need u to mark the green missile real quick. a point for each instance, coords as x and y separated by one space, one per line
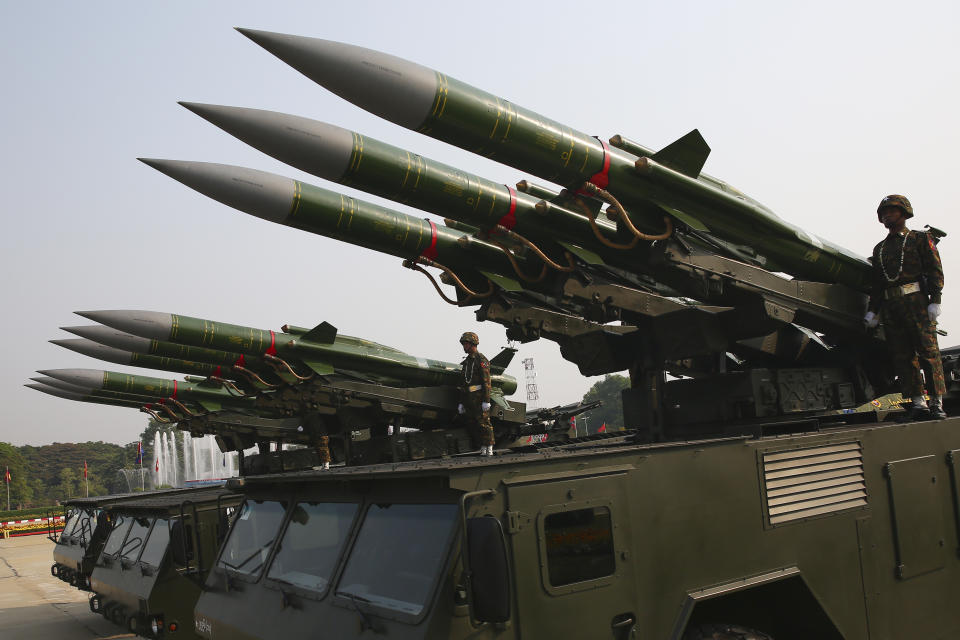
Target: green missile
226 364
348 158
424 100
309 208
321 349
211 399
154 404
82 397
118 356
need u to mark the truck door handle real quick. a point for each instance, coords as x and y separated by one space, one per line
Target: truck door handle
622 621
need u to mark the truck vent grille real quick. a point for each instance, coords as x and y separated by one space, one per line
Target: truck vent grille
811 482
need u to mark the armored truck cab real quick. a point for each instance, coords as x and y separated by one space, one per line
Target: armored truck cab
848 532
79 544
157 555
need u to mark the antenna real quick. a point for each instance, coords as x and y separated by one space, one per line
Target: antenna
533 396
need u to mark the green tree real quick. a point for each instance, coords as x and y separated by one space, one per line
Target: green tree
68 484
611 413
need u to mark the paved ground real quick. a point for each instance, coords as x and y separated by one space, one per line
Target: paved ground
36 606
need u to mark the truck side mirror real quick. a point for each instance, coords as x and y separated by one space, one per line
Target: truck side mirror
489 570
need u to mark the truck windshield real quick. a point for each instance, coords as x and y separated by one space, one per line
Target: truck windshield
312 543
139 527
252 535
69 525
157 543
120 527
398 554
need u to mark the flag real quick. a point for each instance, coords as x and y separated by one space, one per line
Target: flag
139 453
603 428
7 475
158 465
84 469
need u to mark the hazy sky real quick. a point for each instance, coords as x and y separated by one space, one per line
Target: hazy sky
817 109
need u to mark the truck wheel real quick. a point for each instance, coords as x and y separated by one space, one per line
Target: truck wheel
724 632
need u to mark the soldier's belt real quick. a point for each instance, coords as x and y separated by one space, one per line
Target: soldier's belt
902 290
475 387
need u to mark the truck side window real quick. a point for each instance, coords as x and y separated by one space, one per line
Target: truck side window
579 545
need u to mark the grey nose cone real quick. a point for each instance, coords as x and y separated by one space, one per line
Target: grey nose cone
60 393
261 194
154 325
63 386
95 350
84 378
312 146
111 337
390 87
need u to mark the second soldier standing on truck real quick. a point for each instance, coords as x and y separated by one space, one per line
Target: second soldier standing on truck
907 285
475 394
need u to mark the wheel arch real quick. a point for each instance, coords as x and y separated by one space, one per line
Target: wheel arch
779 603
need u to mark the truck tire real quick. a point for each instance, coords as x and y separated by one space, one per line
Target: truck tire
724 632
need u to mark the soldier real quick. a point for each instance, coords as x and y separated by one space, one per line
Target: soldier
475 394
907 285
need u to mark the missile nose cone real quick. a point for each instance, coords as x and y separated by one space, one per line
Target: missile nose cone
95 350
361 76
261 194
60 384
111 337
315 147
54 392
146 324
89 378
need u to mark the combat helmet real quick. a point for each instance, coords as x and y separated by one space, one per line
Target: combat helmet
895 200
471 337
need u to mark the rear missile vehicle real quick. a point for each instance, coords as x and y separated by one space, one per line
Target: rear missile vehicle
159 550
78 546
342 399
767 486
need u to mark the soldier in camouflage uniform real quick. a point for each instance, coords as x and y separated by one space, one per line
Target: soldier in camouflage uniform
475 394
907 286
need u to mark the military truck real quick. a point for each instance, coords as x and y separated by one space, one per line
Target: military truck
157 554
846 531
78 546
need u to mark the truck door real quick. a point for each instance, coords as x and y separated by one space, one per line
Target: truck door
570 540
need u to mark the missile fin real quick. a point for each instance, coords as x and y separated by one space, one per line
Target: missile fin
320 368
502 360
584 254
687 219
508 284
686 154
210 405
323 333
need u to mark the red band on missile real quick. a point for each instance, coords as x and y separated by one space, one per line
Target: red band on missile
430 252
240 362
510 220
272 351
174 396
217 373
602 179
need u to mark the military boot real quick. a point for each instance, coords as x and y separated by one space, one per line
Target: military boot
937 412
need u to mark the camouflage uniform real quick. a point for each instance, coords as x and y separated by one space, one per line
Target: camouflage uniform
474 392
911 335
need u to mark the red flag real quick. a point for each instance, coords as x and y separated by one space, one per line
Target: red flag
603 428
84 469
158 465
7 475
